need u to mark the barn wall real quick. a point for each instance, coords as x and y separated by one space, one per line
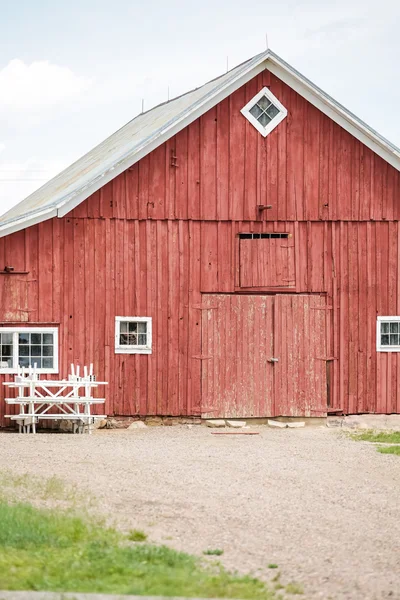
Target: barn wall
220 168
84 272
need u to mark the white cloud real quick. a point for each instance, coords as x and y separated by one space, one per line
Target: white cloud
38 86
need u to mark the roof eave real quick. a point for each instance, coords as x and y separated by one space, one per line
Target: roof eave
333 110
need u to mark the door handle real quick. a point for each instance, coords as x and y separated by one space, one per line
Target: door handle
273 360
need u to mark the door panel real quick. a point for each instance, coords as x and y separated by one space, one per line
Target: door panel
241 333
300 345
267 262
237 340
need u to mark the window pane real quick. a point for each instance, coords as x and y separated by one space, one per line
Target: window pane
264 119
255 111
132 339
5 363
47 350
36 338
48 338
23 361
384 327
385 340
36 361
264 102
36 350
123 327
142 327
6 350
133 327
24 350
394 339
123 339
24 338
272 111
142 339
6 338
394 328
47 363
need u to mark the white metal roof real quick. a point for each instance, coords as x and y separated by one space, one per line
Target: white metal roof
149 130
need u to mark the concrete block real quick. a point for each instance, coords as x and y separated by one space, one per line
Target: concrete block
279 424
236 424
215 423
296 424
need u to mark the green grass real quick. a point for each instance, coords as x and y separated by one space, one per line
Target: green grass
52 490
54 551
216 552
389 450
272 566
137 536
389 437
294 588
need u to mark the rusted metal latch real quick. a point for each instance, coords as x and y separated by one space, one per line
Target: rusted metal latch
273 360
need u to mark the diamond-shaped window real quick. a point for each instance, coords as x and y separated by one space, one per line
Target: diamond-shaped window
264 111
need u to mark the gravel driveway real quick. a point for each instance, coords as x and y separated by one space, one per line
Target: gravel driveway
324 508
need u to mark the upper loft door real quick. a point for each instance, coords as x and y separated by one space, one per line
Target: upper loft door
266 260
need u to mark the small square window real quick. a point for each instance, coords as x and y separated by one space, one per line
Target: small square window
388 334
27 347
133 335
264 111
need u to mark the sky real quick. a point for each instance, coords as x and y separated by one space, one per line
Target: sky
72 73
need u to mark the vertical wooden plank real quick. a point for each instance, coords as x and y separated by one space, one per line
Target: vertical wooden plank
222 159
132 191
236 155
251 136
45 273
194 170
311 162
181 174
208 172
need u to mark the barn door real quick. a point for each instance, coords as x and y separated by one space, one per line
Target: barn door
237 342
300 346
240 336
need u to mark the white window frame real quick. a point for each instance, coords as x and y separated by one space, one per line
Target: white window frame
379 347
275 121
15 331
119 349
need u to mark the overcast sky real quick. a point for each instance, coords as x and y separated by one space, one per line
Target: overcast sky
71 73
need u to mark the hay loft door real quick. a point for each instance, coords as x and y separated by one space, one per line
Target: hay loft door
263 356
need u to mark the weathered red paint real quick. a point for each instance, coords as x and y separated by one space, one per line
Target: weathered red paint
160 240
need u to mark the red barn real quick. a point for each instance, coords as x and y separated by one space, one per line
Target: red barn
233 252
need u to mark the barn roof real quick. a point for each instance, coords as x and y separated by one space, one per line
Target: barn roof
149 130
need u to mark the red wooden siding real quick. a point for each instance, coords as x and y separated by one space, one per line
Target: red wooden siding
164 234
98 269
308 168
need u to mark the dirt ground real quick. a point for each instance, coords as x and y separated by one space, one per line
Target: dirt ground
323 507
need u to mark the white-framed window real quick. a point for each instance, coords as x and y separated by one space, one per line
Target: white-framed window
388 334
264 111
133 335
27 346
